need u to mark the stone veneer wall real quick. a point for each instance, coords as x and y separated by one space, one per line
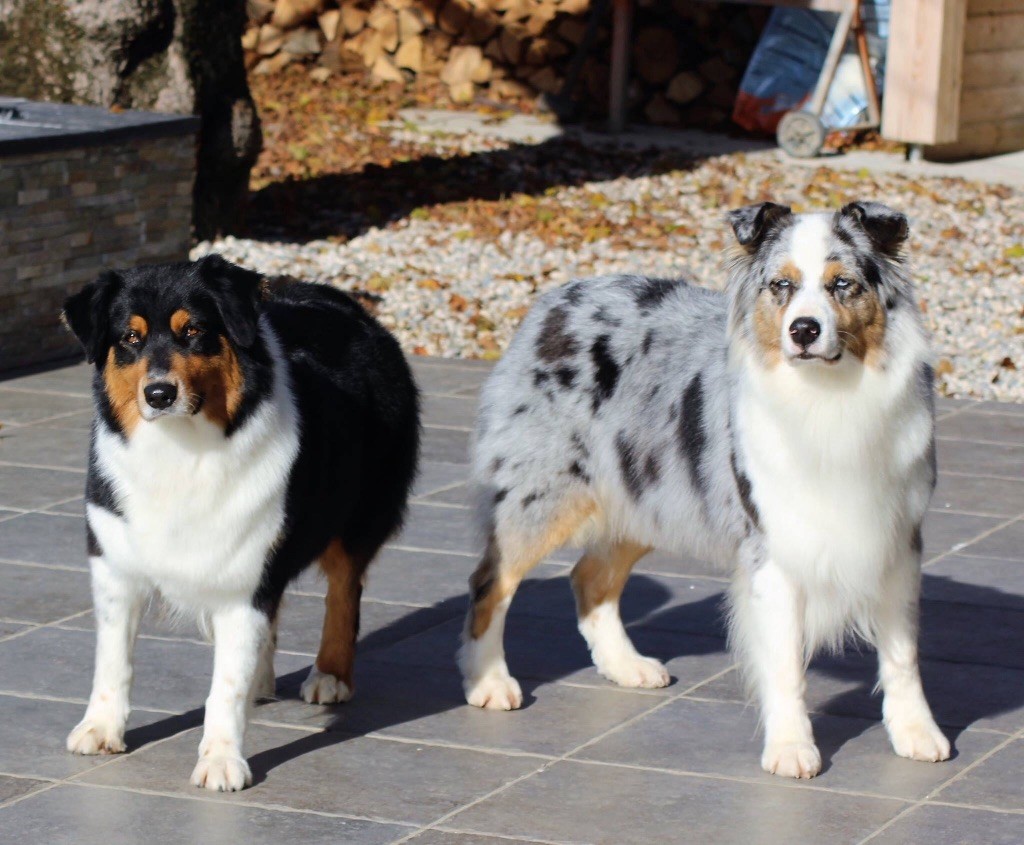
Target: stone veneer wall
68 214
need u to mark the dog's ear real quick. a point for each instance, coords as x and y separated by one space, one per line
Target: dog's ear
887 227
752 222
87 314
238 294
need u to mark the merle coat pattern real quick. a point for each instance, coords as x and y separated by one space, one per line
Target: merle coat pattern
783 429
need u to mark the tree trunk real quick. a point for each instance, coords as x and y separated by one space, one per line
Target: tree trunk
164 55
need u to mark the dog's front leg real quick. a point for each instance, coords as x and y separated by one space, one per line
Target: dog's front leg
117 606
768 632
239 633
905 711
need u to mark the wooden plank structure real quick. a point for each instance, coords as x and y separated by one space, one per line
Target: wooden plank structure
992 91
955 76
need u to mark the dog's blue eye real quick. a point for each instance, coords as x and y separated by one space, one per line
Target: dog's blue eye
781 284
842 284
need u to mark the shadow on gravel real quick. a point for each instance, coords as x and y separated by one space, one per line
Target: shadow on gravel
345 205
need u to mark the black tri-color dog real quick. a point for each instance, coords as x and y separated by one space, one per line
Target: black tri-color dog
240 435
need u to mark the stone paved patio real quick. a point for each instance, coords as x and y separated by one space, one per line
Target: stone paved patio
584 761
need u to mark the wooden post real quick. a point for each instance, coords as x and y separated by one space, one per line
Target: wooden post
619 81
923 71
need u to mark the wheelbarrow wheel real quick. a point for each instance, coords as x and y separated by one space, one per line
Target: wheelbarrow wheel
801 134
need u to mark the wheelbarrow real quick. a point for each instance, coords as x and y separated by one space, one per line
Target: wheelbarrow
801 133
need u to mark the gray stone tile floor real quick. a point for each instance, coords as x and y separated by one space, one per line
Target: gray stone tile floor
583 761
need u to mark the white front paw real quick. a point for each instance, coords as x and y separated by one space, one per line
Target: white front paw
321 688
96 736
634 670
222 773
919 740
794 759
497 690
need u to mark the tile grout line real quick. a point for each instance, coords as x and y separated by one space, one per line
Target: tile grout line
211 797
815 712
950 439
987 808
70 779
47 467
42 391
961 547
563 757
43 625
44 420
445 505
952 412
775 782
508 837
442 489
906 811
31 564
955 473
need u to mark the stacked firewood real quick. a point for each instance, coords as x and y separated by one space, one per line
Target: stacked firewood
687 57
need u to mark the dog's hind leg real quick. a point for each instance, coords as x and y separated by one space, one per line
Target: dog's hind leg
598 580
264 685
905 712
330 678
509 556
767 632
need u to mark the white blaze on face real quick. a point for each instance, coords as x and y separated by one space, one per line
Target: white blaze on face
808 252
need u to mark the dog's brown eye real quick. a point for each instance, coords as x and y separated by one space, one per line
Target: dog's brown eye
192 331
132 337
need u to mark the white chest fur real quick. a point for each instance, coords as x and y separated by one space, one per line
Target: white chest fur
838 470
200 511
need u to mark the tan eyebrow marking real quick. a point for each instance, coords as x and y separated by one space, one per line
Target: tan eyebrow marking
790 271
180 319
835 269
138 325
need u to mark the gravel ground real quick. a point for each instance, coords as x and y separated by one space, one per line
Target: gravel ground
455 278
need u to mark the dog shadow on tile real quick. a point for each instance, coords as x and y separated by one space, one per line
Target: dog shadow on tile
412 688
972 645
972 665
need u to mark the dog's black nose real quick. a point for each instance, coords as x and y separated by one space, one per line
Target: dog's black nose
160 394
804 331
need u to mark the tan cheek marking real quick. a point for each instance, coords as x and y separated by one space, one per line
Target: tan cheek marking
180 319
861 325
768 328
123 385
138 325
215 378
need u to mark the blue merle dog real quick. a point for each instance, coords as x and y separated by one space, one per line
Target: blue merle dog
783 428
